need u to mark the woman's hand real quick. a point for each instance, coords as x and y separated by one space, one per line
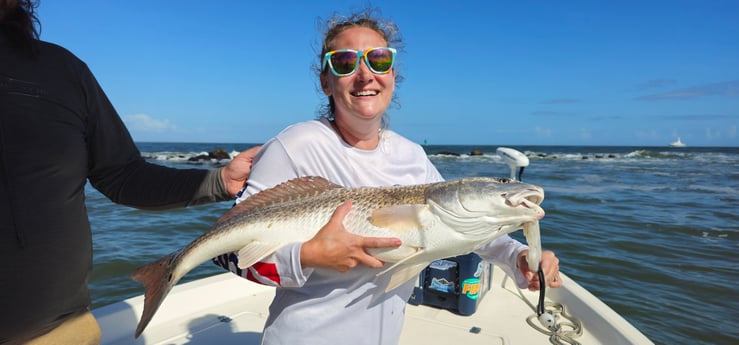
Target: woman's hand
550 265
335 247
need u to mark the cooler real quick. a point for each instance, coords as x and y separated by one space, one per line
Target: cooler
457 284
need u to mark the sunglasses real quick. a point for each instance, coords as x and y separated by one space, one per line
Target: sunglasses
345 62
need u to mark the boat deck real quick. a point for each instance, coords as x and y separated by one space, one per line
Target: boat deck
225 309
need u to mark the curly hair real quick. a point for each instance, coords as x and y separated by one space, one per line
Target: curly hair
18 22
368 18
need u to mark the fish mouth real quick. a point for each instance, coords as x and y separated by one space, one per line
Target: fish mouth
529 198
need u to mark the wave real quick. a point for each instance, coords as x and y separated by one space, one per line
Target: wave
214 157
617 154
658 154
185 153
535 155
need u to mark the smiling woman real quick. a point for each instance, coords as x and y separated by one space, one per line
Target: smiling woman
331 274
361 95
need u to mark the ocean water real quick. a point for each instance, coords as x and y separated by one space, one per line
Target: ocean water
651 231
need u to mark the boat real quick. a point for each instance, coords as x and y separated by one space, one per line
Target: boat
677 143
226 309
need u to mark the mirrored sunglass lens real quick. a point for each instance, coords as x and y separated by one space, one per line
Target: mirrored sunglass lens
381 60
344 62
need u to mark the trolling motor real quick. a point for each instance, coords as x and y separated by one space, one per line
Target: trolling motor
514 159
517 160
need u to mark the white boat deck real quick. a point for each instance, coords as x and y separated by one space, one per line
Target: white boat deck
225 309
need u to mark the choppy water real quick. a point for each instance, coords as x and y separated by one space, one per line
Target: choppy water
651 231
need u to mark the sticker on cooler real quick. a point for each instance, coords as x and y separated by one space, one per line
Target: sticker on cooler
442 285
471 288
444 281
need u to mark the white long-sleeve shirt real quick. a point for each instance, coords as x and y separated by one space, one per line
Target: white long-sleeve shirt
319 306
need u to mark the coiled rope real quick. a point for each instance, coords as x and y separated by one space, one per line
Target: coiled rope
566 328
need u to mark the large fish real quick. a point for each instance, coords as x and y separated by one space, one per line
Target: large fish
433 221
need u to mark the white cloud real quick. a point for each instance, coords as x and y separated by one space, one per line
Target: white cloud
146 123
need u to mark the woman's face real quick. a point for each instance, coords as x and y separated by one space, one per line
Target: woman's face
362 95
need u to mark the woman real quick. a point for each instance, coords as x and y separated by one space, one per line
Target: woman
350 146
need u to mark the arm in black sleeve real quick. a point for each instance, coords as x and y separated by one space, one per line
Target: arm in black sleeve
117 169
154 187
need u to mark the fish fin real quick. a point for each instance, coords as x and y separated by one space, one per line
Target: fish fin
405 274
399 218
255 251
157 279
406 261
392 254
292 189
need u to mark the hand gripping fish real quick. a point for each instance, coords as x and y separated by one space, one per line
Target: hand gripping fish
433 221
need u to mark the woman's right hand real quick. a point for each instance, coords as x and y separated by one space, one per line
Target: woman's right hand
335 247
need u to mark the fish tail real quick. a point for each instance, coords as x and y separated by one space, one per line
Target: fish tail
157 279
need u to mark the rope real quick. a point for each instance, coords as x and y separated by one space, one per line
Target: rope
567 328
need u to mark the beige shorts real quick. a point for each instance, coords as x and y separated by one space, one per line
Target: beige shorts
81 329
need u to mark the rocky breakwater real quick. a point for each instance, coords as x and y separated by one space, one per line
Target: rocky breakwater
218 156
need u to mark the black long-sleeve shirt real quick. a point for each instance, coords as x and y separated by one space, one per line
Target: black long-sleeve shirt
58 130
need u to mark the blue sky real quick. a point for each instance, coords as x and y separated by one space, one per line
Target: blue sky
475 72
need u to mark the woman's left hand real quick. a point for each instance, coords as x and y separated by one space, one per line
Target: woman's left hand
550 265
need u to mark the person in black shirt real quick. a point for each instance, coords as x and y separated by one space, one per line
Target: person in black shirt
58 130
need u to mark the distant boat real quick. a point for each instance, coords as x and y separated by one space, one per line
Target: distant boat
677 143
